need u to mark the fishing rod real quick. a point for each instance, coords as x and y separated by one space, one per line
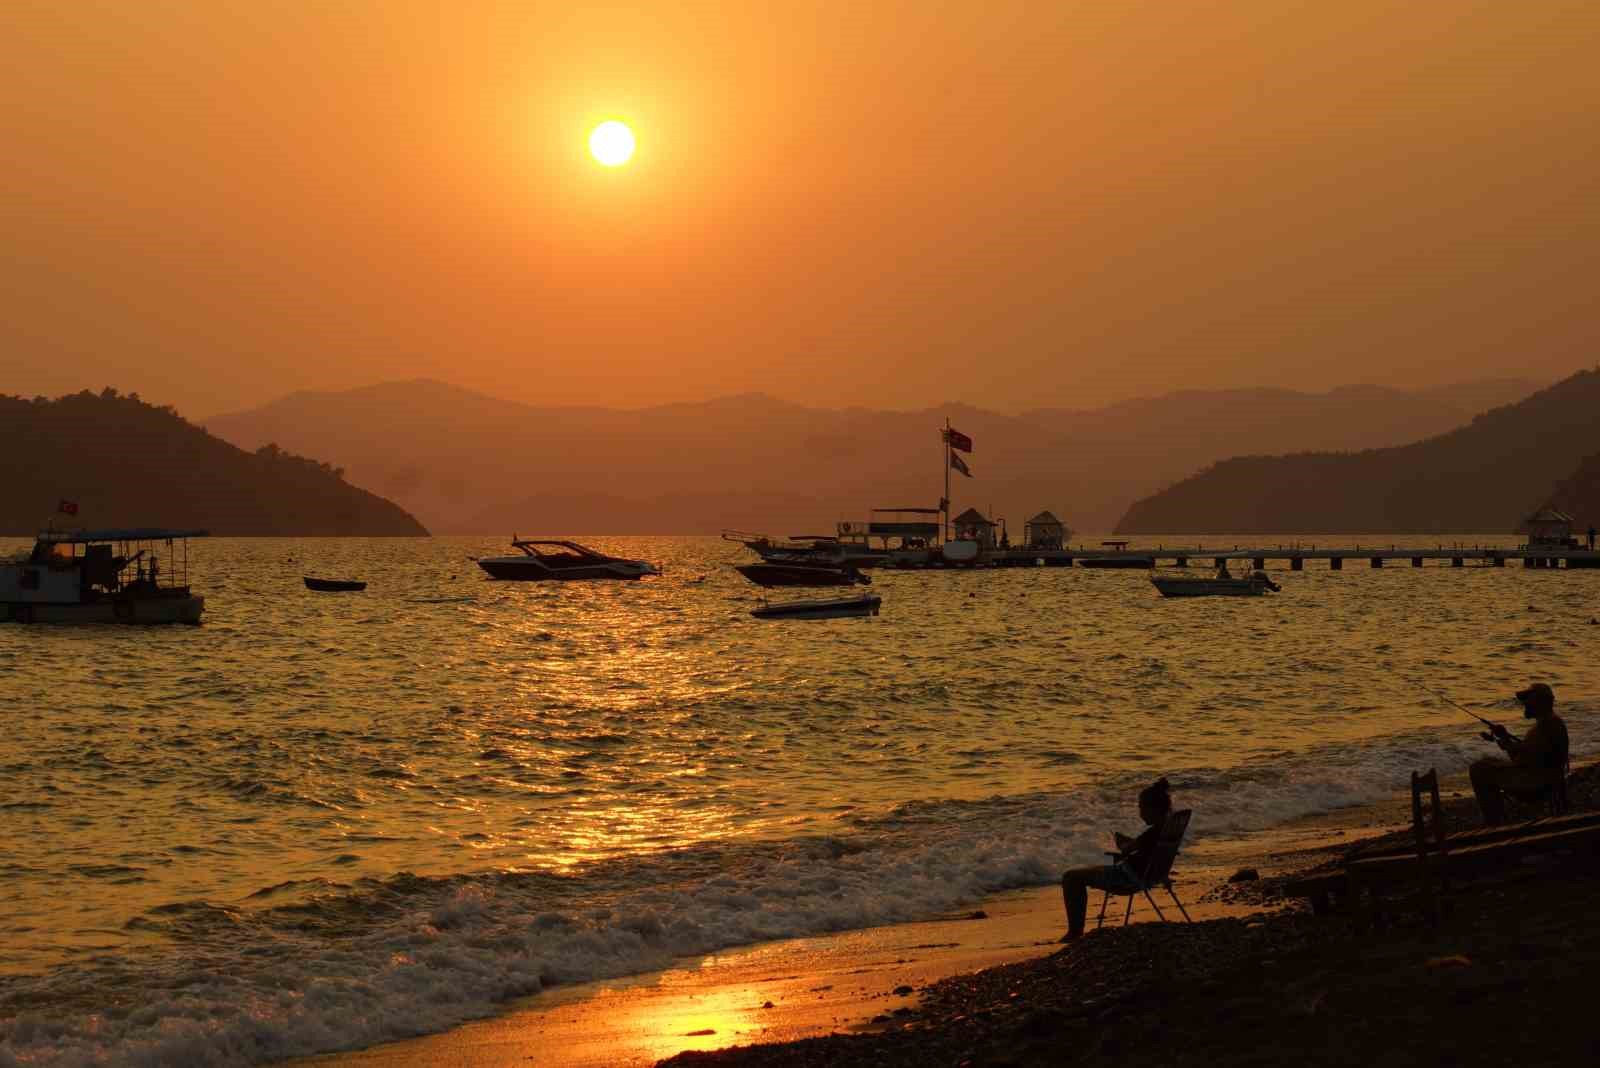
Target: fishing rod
1495 729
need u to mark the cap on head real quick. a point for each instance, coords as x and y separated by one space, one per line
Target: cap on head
1538 695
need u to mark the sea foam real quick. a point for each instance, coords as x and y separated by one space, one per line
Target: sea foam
390 959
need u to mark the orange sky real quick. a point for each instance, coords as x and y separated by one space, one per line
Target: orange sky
885 204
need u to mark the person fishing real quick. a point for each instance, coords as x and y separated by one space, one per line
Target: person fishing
1155 805
1260 577
1531 763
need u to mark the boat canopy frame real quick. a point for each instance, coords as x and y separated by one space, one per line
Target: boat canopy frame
131 544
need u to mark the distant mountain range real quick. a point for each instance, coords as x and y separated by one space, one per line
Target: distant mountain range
125 463
469 463
1485 476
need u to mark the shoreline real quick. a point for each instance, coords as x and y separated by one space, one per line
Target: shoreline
853 983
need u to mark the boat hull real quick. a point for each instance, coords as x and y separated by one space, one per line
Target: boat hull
334 585
774 574
833 608
1198 587
144 610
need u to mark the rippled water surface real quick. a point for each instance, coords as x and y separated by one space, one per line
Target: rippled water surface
318 821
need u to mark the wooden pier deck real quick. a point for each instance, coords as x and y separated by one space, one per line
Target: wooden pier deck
1296 557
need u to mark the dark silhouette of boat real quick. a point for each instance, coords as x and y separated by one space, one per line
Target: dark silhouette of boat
831 608
544 559
101 576
1223 584
801 573
322 585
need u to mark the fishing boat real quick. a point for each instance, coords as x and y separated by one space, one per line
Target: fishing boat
828 608
801 573
1252 585
545 559
322 585
133 575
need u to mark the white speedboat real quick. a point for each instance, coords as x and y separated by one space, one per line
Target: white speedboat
827 608
138 575
543 560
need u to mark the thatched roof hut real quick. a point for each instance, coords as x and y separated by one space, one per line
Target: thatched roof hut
1044 531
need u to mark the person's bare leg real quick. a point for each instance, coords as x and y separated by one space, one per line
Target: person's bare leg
1075 896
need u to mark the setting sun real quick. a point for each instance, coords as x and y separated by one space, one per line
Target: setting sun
611 143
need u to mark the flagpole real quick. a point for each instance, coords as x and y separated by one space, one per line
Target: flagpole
944 529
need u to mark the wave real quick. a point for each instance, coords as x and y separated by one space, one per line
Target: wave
313 967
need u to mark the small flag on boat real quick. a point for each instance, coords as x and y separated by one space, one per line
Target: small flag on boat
958 440
960 465
67 507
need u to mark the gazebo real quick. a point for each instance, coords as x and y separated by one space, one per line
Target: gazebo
1044 531
1549 528
973 525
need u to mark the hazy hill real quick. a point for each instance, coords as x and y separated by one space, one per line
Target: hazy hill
127 463
1485 476
469 463
1579 494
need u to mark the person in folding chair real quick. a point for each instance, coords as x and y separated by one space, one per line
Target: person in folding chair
1139 864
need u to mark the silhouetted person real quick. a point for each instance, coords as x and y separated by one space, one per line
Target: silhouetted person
1535 759
1591 539
1222 569
1261 577
1155 805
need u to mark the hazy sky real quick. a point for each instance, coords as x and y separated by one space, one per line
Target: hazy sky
1011 204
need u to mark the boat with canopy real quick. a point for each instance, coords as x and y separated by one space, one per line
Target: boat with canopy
122 575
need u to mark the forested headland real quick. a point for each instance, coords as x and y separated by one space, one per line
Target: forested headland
125 463
1485 477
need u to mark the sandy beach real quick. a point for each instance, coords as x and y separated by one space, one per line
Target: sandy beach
857 983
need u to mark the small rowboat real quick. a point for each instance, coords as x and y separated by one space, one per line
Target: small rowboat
334 585
831 608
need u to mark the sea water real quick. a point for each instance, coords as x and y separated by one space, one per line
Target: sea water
318 821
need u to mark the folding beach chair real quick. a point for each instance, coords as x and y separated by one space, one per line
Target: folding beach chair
1158 870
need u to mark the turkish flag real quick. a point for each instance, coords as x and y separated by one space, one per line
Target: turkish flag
67 507
958 440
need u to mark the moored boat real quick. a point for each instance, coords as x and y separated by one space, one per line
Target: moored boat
1253 585
827 608
102 576
801 573
321 585
545 559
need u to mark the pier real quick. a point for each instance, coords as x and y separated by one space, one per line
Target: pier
1295 557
